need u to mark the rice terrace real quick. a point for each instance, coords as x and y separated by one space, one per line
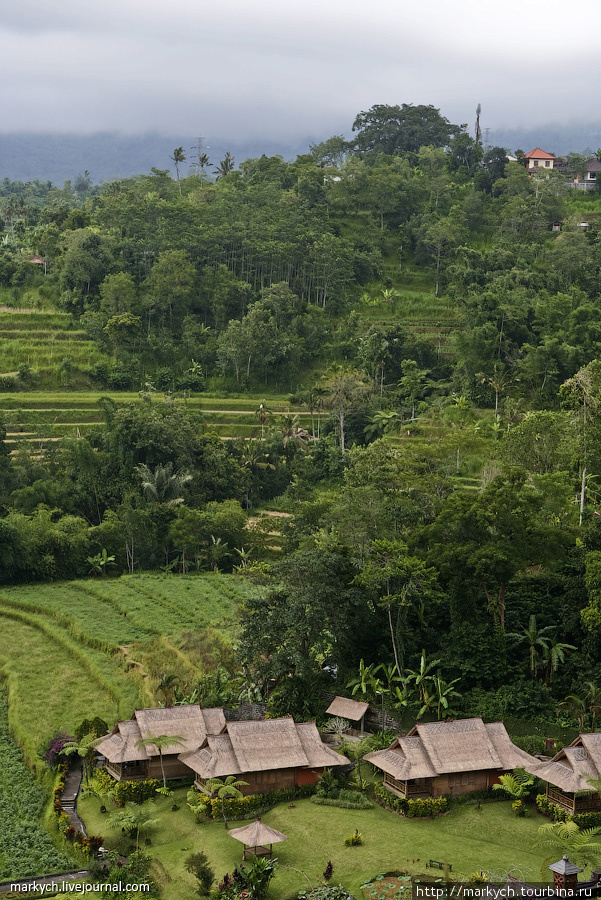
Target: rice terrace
300 532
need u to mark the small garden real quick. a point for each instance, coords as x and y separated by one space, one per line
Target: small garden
470 837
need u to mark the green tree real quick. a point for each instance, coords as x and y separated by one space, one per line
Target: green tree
178 158
406 128
227 788
161 742
567 838
135 818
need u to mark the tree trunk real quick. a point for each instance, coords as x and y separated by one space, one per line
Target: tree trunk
582 495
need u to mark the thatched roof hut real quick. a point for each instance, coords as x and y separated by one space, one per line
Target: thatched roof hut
190 723
258 746
568 774
345 708
257 838
440 757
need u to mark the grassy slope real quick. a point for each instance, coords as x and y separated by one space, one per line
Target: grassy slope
60 647
471 839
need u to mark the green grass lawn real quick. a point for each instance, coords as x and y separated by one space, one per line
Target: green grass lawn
62 644
470 839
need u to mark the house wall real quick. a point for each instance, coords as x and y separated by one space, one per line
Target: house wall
542 163
174 768
460 783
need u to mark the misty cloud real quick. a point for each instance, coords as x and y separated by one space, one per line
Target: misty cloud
304 67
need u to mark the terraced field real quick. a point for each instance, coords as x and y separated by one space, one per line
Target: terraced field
69 650
42 416
419 312
45 340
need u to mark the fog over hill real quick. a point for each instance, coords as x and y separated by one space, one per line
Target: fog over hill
110 155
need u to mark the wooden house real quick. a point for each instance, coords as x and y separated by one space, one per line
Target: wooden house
567 774
269 754
127 759
352 710
438 758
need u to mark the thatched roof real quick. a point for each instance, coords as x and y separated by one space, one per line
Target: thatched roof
260 746
571 768
440 748
257 834
345 708
191 723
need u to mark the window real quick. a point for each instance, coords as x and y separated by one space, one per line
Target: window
535 163
547 163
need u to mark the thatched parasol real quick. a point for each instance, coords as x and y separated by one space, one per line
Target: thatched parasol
257 837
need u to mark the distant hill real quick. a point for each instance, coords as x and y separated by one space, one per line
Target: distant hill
109 155
556 139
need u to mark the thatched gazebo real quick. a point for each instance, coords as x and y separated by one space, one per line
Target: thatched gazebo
257 838
352 710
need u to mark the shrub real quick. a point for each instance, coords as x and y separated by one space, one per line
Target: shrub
354 840
363 803
134 791
519 808
328 871
53 752
418 808
559 814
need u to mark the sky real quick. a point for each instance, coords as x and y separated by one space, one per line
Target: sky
292 68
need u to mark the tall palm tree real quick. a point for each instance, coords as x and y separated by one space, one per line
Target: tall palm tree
225 166
535 637
160 741
178 157
163 485
226 789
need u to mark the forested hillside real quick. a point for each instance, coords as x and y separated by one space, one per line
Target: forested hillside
399 338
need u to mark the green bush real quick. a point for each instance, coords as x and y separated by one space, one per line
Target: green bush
418 808
363 803
135 791
354 840
559 814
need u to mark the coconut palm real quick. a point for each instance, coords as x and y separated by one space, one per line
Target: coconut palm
178 157
163 485
160 741
227 788
225 166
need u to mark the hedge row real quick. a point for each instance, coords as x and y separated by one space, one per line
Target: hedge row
345 804
254 804
559 814
418 808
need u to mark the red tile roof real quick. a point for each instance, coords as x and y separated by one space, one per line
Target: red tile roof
537 153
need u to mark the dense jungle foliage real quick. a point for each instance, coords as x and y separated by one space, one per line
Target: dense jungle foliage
434 311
